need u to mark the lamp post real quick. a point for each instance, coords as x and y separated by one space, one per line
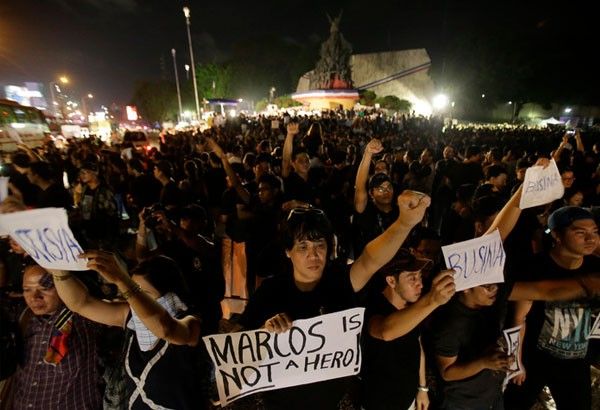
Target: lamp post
84 105
54 87
177 83
187 71
186 13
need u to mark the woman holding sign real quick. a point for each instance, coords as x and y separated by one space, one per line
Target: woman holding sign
161 358
314 288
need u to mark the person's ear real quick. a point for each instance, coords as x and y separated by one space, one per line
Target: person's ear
287 253
390 280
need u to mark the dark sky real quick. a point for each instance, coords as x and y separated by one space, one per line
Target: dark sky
105 46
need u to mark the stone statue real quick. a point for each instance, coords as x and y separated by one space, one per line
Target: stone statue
333 68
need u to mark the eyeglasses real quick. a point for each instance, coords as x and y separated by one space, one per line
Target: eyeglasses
384 189
304 211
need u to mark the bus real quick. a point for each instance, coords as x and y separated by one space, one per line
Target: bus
21 124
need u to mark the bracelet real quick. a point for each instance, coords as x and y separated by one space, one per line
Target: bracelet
59 278
423 389
130 292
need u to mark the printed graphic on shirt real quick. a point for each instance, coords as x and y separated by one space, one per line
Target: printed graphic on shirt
565 330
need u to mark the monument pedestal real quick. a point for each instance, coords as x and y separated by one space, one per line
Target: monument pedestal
328 99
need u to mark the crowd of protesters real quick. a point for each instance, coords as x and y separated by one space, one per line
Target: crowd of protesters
291 218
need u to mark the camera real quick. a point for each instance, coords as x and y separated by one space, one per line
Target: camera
149 220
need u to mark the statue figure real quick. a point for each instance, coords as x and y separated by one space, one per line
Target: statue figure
333 68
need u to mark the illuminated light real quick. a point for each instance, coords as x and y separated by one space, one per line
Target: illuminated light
482 95
568 110
64 79
510 103
17 125
440 101
240 100
232 113
452 104
148 148
90 96
186 12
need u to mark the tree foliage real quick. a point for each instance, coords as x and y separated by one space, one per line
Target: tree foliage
214 80
156 100
368 98
286 101
391 102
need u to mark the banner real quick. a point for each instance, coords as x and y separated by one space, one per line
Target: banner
477 261
321 348
45 235
541 186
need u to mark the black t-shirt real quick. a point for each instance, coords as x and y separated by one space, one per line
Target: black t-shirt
371 223
280 294
55 196
560 329
390 370
299 189
468 334
469 173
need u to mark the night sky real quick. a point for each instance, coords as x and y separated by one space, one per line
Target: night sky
105 46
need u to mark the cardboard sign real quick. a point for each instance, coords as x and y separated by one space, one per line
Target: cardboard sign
322 348
541 186
513 343
595 332
477 261
3 188
45 235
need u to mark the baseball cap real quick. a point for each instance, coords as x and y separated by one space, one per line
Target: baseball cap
378 179
565 216
404 261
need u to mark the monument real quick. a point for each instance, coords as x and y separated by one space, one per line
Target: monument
331 80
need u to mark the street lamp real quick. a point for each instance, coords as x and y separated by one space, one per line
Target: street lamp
63 79
177 83
186 13
84 106
187 71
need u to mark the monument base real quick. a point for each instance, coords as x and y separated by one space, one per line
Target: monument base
327 99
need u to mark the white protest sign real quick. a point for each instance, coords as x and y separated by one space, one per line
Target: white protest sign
3 188
274 124
46 237
513 343
595 332
477 261
321 348
541 186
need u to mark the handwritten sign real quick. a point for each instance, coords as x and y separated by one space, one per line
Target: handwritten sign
476 261
595 332
541 186
46 237
322 348
512 337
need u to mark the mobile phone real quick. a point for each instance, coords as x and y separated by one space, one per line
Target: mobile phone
570 132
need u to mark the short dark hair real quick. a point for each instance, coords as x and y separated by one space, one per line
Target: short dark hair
20 159
165 167
306 224
472 150
494 170
270 180
486 206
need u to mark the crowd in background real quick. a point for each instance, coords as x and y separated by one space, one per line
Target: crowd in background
202 219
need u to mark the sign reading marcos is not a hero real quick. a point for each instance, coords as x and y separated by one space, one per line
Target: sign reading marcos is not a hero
322 348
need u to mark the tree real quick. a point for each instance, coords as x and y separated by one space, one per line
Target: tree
261 105
214 80
156 100
391 102
286 101
368 98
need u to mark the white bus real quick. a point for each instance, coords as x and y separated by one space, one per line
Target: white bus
21 124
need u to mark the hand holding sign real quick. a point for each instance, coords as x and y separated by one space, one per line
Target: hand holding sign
279 323
542 184
442 287
107 264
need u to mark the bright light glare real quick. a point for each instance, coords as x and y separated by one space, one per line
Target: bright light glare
232 113
186 12
568 110
440 101
64 79
90 95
